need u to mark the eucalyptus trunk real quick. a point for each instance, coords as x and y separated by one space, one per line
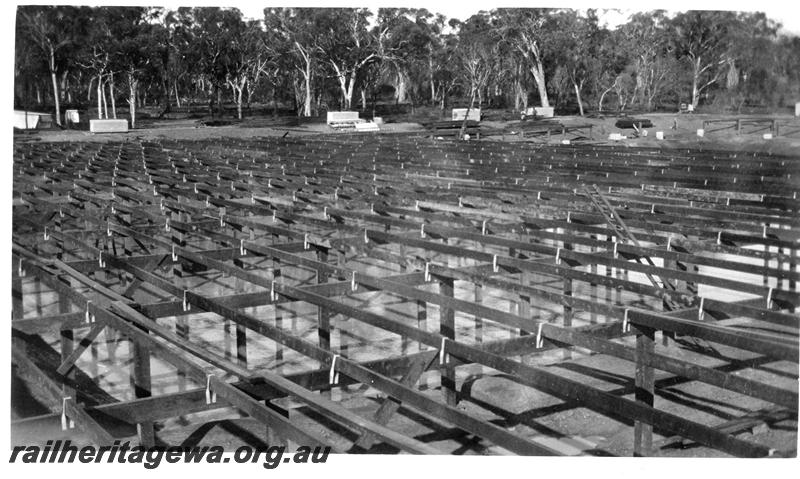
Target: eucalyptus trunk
578 96
100 97
52 64
132 86
111 94
538 76
307 103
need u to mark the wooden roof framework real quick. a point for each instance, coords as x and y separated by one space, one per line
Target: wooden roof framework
97 223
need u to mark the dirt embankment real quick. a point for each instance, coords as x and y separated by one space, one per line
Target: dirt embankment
679 131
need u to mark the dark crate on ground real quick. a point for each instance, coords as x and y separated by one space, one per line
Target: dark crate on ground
630 123
453 128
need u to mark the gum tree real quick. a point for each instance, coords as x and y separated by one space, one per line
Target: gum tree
211 49
646 44
702 39
530 32
297 31
347 46
53 30
477 51
137 54
579 38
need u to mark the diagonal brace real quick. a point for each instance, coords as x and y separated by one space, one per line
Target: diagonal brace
84 343
390 405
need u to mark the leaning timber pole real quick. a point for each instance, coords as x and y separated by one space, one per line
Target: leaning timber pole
466 116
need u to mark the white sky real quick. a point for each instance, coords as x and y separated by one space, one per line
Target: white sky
785 12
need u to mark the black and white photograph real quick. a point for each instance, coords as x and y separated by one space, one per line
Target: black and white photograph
314 237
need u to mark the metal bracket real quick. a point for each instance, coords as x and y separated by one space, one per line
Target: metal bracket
66 423
273 296
539 339
185 304
444 358
89 317
333 374
769 298
211 396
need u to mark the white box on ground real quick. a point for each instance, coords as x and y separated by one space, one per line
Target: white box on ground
659 135
338 116
460 113
767 136
701 132
544 111
108 126
797 109
26 119
31 120
367 127
565 142
71 116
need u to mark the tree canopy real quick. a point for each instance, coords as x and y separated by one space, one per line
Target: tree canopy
314 59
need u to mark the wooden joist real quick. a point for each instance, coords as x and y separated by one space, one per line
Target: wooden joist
115 220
